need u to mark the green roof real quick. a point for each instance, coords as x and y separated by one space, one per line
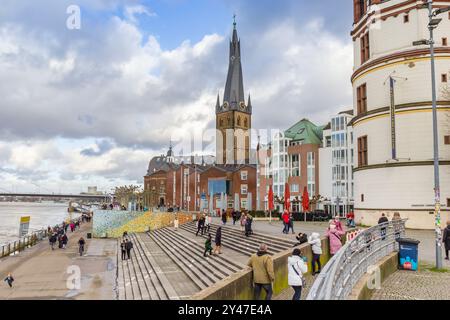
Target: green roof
306 132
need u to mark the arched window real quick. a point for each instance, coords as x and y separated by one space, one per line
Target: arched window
239 121
245 123
221 122
229 121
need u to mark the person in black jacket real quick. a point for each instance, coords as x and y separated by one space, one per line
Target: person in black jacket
301 238
446 240
218 241
9 280
128 246
201 225
123 249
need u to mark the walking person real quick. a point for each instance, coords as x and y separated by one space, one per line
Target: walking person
123 249
9 280
224 217
263 274
285 218
218 241
291 223
296 268
446 239
52 241
81 244
128 247
248 226
316 246
243 222
64 240
176 223
200 225
207 226
208 245
335 237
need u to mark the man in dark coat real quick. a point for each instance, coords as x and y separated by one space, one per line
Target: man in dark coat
446 239
128 246
201 225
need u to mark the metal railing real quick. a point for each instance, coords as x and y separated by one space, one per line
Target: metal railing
22 243
346 268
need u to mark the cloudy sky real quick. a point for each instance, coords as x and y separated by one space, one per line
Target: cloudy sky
93 106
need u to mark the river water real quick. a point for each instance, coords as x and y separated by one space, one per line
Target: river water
42 215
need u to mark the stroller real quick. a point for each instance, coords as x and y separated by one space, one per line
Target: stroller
248 227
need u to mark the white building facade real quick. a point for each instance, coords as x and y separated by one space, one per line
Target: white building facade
394 150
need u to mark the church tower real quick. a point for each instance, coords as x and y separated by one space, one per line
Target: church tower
234 115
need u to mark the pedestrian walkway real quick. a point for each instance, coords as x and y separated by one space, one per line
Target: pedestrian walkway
41 273
422 285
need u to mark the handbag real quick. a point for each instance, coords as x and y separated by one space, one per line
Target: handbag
302 278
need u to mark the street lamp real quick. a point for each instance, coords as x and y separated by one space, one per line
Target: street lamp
433 23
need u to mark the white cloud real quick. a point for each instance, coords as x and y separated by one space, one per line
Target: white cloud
112 83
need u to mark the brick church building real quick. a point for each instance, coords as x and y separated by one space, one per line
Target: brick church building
230 180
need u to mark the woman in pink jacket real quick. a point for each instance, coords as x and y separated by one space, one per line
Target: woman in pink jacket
335 236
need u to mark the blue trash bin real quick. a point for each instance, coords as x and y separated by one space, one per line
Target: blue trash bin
408 255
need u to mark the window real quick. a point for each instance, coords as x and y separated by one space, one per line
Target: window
360 9
444 77
244 175
406 18
362 198
243 203
447 140
362 151
361 94
239 121
295 188
365 48
244 189
444 42
448 202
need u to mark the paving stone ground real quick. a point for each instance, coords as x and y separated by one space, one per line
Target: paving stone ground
422 285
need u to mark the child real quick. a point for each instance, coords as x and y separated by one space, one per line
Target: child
9 279
176 223
208 246
316 245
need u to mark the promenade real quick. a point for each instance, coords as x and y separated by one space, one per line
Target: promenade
41 273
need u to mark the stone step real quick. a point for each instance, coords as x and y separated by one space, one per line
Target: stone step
196 249
187 267
207 270
153 287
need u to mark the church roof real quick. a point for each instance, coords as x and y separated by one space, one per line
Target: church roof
234 88
306 132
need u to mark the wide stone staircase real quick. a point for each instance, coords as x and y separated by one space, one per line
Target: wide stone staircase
182 269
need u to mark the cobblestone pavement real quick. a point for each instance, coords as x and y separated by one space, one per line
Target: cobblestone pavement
422 285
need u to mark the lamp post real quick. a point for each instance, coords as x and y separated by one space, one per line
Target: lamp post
433 23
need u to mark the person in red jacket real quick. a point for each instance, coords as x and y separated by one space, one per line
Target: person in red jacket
285 218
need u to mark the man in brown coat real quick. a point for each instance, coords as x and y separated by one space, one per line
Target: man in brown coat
263 275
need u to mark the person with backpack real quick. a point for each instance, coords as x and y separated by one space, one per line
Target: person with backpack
248 226
383 221
208 246
52 241
316 246
335 237
64 240
296 268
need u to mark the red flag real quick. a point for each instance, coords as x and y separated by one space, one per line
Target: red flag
271 204
305 200
287 198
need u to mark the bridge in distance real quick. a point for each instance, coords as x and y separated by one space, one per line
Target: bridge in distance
53 196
